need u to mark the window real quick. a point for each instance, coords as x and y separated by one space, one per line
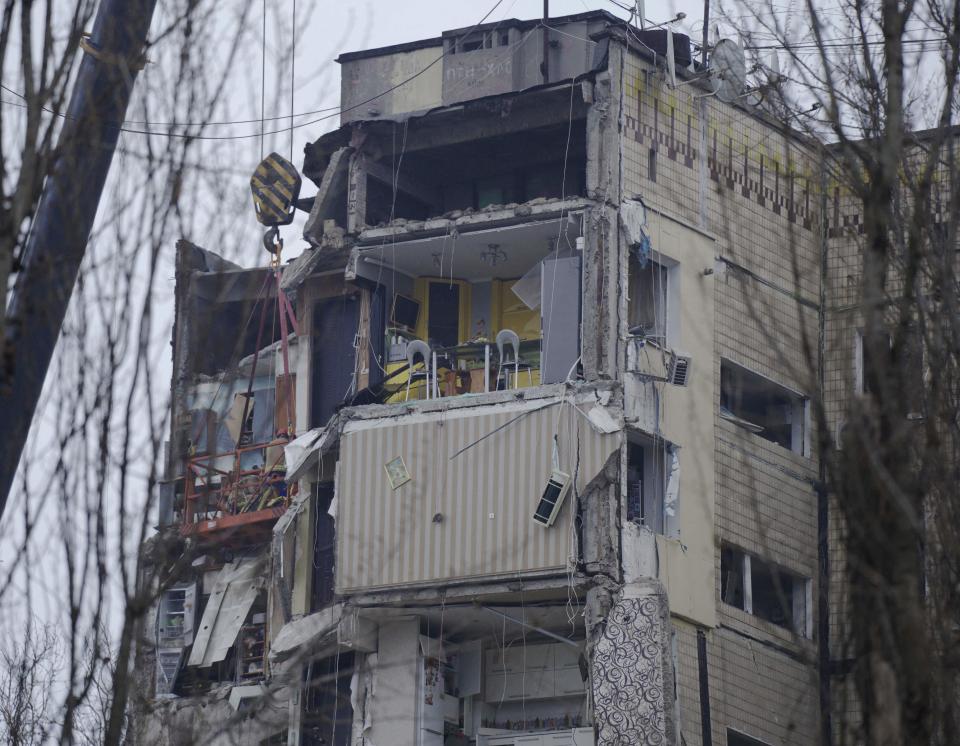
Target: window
865 368
765 590
764 408
739 739
444 325
647 313
444 318
652 485
867 371
176 612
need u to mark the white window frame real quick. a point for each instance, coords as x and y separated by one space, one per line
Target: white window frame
662 481
802 600
800 419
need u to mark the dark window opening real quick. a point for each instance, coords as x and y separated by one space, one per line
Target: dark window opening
764 589
502 170
443 322
772 593
327 712
383 205
647 311
335 325
652 474
763 407
324 548
731 577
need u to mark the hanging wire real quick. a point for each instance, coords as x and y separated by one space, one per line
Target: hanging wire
293 69
263 79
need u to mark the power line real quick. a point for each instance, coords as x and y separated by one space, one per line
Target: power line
336 110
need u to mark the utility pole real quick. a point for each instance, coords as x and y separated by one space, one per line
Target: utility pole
545 67
113 55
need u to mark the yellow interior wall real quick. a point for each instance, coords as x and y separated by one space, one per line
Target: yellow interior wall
509 312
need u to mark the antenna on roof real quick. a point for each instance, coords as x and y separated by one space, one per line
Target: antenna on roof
729 70
641 12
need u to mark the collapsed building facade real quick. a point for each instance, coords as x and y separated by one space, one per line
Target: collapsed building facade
407 526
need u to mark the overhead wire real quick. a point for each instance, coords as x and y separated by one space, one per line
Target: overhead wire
293 69
335 111
263 79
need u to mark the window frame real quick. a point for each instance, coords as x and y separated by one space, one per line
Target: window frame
800 424
801 591
665 487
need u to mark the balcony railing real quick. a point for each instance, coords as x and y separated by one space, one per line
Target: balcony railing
236 490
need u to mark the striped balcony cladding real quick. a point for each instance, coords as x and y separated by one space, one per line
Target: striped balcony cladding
485 496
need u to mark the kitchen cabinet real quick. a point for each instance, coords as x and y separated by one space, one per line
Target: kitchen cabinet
544 672
567 737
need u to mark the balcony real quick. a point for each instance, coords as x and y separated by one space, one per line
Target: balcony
477 304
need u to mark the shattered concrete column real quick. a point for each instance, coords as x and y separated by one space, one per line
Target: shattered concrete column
632 666
600 529
357 193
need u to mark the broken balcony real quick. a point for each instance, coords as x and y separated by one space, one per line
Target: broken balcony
234 474
480 303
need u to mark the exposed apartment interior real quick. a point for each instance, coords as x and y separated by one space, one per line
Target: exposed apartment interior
479 465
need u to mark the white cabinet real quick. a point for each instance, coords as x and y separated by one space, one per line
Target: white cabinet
517 686
535 740
570 737
541 672
520 658
567 682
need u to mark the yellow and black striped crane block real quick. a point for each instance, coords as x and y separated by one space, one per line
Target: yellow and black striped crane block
275 185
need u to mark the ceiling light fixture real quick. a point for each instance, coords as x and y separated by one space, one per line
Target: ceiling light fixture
494 255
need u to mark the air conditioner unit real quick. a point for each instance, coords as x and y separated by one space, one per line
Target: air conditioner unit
550 503
679 370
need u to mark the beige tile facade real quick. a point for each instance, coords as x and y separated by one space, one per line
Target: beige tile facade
723 170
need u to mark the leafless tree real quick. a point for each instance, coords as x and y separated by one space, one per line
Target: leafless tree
83 503
877 83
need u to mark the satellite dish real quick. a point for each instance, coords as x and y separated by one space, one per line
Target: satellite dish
729 70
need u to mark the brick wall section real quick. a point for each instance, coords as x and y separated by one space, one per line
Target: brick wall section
723 170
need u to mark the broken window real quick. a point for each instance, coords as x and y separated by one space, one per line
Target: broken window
648 286
763 407
327 711
765 590
653 484
175 620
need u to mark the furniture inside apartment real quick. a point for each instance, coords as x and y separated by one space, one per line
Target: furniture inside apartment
426 373
508 356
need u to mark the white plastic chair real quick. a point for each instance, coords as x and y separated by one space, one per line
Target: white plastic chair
509 338
414 348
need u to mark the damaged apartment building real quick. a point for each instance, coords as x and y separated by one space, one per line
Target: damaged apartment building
508 455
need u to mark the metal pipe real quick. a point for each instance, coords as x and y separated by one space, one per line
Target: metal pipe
706 727
65 215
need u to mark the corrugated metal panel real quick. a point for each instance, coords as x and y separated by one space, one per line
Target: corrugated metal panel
485 495
227 608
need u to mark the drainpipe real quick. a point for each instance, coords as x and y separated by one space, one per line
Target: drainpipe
68 205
